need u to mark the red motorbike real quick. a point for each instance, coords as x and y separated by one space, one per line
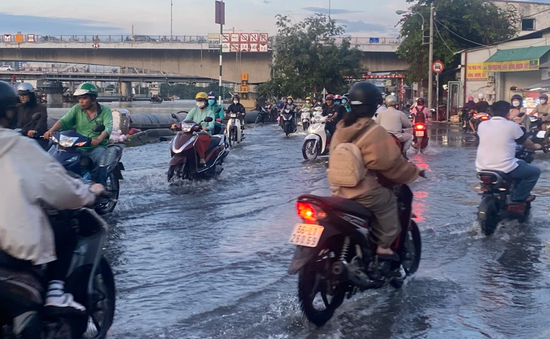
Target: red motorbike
185 160
420 136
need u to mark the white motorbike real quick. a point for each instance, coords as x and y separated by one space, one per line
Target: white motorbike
233 129
306 118
316 142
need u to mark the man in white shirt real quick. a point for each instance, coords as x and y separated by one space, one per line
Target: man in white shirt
498 138
395 121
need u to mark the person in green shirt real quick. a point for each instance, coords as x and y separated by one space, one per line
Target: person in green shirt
84 117
218 112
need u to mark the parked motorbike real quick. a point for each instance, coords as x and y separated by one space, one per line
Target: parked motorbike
185 161
336 252
289 124
234 130
90 280
316 142
306 118
65 149
496 197
420 136
263 116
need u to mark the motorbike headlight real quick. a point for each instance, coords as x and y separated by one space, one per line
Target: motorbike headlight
186 128
73 159
65 141
233 115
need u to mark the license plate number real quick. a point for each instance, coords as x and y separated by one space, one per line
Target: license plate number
420 133
306 235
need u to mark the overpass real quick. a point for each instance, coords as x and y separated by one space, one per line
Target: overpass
182 55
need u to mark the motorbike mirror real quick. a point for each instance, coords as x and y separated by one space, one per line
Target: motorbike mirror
208 119
99 128
521 114
36 116
175 116
545 115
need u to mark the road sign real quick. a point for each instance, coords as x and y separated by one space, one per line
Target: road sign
31 38
226 47
244 47
324 92
263 48
234 37
253 37
244 37
254 48
214 37
226 37
7 37
235 47
264 38
437 67
220 12
403 91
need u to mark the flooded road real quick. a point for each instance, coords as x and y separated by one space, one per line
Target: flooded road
209 259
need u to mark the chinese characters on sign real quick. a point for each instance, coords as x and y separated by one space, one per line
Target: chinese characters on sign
512 66
475 72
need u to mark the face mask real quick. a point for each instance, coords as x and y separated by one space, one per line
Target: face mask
289 102
211 102
515 103
308 102
344 101
235 101
543 101
201 104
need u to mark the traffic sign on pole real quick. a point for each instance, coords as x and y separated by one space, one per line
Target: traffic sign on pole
437 67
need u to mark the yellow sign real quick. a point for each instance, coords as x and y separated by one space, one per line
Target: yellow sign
475 72
244 89
511 66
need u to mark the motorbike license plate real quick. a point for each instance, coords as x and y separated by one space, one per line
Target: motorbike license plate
420 133
306 235
541 134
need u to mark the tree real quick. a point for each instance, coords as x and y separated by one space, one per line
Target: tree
307 56
458 25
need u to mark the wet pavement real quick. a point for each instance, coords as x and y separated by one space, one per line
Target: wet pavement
209 259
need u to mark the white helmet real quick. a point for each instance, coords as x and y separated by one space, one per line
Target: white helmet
25 88
481 96
391 100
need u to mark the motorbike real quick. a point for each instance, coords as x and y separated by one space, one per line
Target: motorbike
496 197
316 142
336 252
306 118
420 136
537 134
233 129
90 280
65 149
263 116
185 161
23 130
289 126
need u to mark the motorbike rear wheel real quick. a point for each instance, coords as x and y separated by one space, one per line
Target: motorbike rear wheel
526 214
312 281
102 312
412 252
112 187
489 225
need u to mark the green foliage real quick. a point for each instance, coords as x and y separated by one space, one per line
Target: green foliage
479 21
185 91
307 56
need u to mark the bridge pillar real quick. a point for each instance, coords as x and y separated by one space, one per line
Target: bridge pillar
53 91
126 89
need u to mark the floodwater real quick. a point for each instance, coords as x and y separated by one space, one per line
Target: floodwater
209 259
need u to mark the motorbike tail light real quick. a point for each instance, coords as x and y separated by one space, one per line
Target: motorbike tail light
474 114
483 118
516 208
419 127
310 213
486 180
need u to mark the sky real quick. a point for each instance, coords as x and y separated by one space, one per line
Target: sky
369 18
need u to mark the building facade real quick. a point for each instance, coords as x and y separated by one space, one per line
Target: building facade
534 15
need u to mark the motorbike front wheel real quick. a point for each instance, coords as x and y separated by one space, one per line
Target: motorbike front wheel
113 187
309 150
411 253
305 125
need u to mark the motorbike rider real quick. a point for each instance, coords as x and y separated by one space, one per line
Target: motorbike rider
540 110
198 114
308 104
498 138
381 156
218 112
85 116
290 106
468 107
331 108
516 109
395 121
29 105
345 102
30 180
420 112
337 99
481 107
237 107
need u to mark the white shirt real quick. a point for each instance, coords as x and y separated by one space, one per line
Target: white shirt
497 145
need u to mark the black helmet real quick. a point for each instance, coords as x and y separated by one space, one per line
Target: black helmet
544 96
420 102
236 96
365 94
8 98
517 97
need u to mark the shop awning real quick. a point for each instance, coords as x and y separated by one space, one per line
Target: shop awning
544 84
517 54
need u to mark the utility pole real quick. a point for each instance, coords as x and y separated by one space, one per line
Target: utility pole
171 20
430 72
220 19
329 3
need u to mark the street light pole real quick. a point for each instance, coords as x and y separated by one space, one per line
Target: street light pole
430 72
171 19
329 3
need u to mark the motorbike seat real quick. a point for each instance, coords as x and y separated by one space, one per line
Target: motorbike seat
215 141
339 204
498 178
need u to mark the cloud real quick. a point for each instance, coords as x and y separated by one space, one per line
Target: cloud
360 26
325 10
10 23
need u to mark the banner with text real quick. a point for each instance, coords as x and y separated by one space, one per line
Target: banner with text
511 66
475 72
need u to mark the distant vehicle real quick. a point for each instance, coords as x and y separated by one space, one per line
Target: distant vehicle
5 68
144 38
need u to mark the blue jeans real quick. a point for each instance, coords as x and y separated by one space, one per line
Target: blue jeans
528 176
97 156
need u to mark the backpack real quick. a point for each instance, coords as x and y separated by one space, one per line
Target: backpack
419 116
346 167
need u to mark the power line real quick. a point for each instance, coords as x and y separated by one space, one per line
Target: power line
438 33
460 36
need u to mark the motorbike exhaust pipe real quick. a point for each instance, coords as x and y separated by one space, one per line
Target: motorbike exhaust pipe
338 268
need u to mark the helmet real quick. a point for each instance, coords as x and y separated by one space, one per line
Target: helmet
517 97
544 96
86 88
470 98
25 88
365 94
345 96
8 98
212 95
420 101
237 97
201 96
391 100
308 98
481 96
289 97
338 97
330 97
